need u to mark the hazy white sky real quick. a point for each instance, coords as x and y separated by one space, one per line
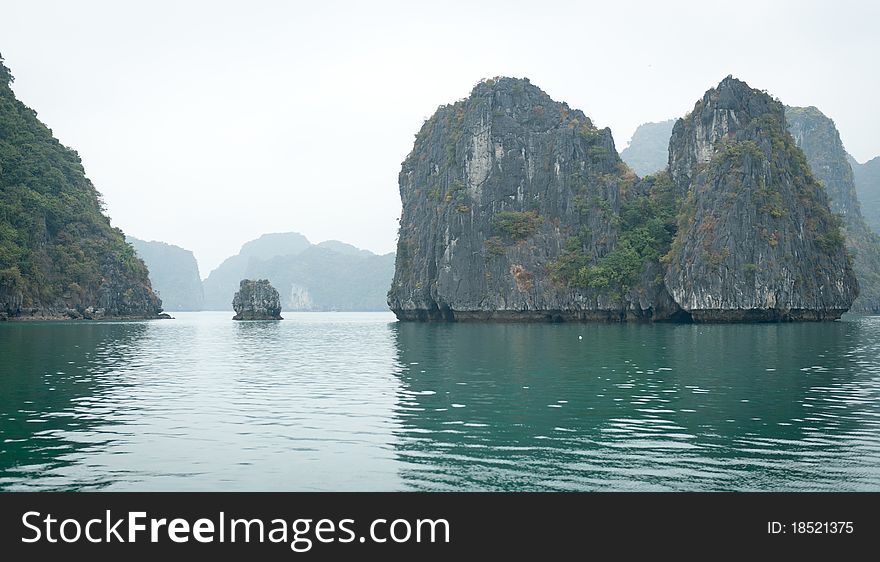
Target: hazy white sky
206 124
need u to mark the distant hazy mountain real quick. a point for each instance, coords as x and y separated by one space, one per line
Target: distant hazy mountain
174 274
331 275
343 248
223 282
323 279
817 135
867 178
648 151
277 244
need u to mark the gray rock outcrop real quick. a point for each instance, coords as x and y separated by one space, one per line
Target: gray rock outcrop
497 189
515 207
256 300
851 192
759 240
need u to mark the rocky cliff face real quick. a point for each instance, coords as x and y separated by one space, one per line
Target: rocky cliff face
174 274
819 139
648 151
501 189
59 256
256 300
758 240
516 207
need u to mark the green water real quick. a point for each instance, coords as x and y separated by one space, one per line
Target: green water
341 401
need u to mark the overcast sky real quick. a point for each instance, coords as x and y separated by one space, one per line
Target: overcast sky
206 124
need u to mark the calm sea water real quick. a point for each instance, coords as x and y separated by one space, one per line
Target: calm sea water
342 401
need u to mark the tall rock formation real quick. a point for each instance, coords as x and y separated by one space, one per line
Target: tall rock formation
256 300
59 256
515 207
174 274
648 150
497 190
758 240
819 139
854 195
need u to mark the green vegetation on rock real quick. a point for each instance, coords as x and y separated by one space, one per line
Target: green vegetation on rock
58 252
736 228
647 228
516 225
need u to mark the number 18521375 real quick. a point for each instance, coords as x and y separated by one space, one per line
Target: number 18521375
811 527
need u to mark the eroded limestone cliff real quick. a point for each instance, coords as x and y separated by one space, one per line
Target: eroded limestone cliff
516 207
758 240
498 188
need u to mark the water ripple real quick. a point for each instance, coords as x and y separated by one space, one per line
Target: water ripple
355 401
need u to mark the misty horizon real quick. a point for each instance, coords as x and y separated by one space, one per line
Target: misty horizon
204 274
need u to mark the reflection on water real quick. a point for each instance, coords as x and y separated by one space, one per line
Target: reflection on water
44 367
641 407
201 403
356 401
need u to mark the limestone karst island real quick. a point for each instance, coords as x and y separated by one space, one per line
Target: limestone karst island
516 207
257 300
